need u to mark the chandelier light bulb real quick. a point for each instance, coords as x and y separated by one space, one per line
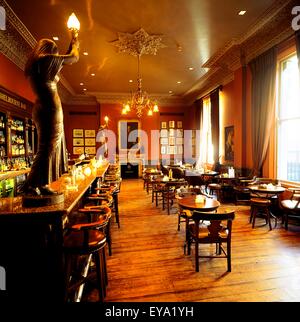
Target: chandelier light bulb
150 113
155 108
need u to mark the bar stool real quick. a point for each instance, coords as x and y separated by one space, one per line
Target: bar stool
86 240
215 188
113 190
261 206
99 211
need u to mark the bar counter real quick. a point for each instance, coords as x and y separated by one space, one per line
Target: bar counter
31 241
12 174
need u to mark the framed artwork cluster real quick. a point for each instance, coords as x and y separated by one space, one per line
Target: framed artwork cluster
84 141
171 138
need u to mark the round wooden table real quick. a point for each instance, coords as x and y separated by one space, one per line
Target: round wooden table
190 203
267 192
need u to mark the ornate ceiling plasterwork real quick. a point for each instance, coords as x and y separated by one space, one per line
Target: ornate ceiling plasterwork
139 43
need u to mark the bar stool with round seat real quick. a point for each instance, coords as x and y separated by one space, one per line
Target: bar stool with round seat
86 240
261 206
99 211
215 188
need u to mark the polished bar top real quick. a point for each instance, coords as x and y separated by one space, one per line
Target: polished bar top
13 174
13 206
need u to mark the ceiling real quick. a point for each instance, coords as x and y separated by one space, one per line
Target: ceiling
192 30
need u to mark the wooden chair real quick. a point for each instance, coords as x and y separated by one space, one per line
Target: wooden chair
214 233
291 207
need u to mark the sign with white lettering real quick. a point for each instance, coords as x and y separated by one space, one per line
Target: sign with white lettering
12 101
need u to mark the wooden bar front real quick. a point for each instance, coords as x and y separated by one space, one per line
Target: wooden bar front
31 241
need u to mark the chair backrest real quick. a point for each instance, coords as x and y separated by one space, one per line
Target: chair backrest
215 227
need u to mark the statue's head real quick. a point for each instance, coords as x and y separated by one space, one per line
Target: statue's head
45 46
42 48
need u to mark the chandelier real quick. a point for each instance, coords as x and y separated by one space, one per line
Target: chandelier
140 100
138 44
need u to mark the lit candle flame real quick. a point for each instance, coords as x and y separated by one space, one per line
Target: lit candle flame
106 119
155 108
73 22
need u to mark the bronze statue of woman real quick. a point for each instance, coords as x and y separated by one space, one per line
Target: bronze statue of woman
42 69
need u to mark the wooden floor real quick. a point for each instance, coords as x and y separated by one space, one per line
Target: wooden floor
148 263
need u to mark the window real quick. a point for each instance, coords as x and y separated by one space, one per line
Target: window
288 121
206 147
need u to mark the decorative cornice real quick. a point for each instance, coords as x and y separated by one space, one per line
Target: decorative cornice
16 43
272 28
82 100
118 98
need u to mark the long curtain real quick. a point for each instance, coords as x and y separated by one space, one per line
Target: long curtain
206 151
215 124
263 70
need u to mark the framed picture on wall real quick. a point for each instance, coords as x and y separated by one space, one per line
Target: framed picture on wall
78 150
179 133
90 150
171 124
89 133
179 141
171 132
179 149
179 124
229 143
129 134
163 149
78 133
171 141
90 142
171 149
164 133
164 141
78 142
163 125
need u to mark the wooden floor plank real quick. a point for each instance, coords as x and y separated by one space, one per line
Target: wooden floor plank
148 263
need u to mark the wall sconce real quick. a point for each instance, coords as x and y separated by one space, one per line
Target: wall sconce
73 23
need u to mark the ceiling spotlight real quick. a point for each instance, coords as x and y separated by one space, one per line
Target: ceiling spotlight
55 38
179 82
130 81
93 74
81 84
85 53
170 92
84 89
191 68
242 12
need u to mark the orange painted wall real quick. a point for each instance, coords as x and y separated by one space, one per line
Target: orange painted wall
231 114
84 117
13 79
147 123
